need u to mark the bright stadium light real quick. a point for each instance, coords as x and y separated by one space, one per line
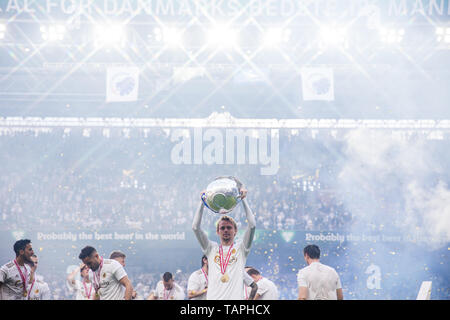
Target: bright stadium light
443 34
275 36
158 35
2 30
53 33
222 36
392 35
171 36
333 36
109 35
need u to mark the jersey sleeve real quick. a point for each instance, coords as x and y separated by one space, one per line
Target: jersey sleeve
251 228
180 292
3 274
338 281
158 289
262 288
46 292
301 279
247 279
118 271
193 283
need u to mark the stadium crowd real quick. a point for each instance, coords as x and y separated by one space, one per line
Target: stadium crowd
56 182
53 182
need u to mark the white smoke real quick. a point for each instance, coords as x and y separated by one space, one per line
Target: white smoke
388 181
429 211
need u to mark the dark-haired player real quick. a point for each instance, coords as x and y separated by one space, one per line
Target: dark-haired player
108 276
16 275
317 281
167 289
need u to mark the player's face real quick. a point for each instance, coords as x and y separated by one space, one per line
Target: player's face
93 261
226 230
27 253
168 285
85 272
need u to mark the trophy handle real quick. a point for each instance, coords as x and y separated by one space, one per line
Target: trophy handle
204 202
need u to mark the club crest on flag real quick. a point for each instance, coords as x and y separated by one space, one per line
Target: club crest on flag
317 83
122 84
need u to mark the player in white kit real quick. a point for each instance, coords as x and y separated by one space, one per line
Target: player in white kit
167 289
84 289
109 276
318 281
227 259
198 282
120 257
16 275
267 290
38 289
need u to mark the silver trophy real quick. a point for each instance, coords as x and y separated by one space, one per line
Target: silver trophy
223 194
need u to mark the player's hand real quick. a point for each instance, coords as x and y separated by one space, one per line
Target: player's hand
33 266
243 192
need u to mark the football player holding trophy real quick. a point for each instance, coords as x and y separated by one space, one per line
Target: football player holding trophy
227 259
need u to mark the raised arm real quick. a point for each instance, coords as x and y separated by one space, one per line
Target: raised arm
251 226
201 235
71 277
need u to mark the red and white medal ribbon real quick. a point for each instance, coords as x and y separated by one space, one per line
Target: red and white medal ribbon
88 295
24 278
168 294
31 288
97 276
224 264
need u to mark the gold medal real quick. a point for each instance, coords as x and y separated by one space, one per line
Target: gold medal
224 263
224 278
25 294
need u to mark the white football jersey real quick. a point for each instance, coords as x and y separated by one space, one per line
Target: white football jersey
321 280
267 289
176 293
197 282
39 291
110 274
84 291
12 284
233 288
